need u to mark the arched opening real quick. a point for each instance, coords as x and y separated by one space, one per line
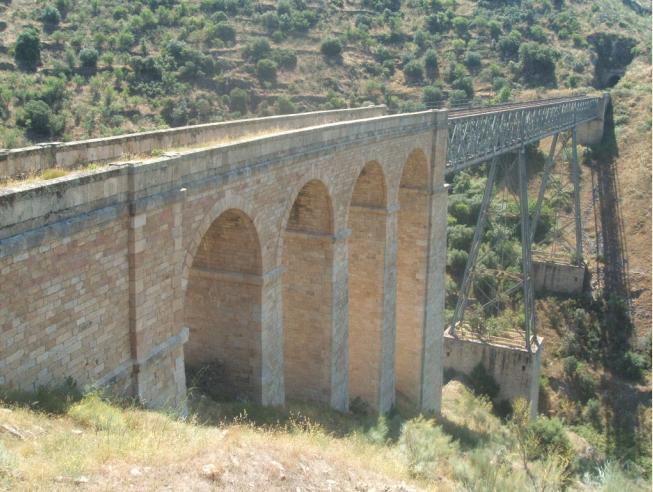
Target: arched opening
412 241
367 221
223 310
307 292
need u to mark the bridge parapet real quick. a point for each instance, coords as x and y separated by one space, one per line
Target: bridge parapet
478 135
16 163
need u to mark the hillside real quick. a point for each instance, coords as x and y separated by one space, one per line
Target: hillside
96 445
71 69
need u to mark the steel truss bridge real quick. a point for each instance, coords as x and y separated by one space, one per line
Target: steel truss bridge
482 135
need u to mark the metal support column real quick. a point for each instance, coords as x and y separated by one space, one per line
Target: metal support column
575 169
527 267
545 181
476 244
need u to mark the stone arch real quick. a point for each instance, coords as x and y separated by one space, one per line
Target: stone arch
412 243
367 220
307 294
228 202
222 307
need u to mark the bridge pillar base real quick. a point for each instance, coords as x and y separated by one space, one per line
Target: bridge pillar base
515 369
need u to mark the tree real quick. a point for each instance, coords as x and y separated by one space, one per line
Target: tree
36 117
266 70
432 96
413 72
431 63
88 59
225 32
285 105
238 100
537 63
27 50
331 47
50 16
257 49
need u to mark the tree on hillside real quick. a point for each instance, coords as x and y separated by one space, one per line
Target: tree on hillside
537 63
27 51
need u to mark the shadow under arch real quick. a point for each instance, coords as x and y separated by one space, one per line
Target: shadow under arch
222 309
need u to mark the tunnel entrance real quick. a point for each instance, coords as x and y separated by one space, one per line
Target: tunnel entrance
223 311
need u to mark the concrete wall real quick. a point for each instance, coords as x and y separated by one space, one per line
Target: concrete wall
515 369
558 278
591 132
110 275
22 162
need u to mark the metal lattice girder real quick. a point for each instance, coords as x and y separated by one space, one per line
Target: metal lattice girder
545 180
527 265
575 169
479 135
476 245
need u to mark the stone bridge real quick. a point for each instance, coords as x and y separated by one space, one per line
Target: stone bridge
305 254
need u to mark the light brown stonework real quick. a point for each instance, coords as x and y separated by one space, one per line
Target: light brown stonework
281 258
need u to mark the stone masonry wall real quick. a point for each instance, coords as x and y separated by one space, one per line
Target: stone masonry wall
515 370
122 248
559 278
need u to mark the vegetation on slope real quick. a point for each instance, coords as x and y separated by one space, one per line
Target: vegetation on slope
71 69
97 444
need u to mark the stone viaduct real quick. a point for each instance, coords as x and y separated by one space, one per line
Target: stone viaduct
305 253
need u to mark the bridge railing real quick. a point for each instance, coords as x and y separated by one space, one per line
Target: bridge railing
478 135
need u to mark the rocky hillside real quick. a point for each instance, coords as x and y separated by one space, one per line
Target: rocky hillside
73 69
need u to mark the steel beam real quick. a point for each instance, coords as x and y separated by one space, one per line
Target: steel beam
476 245
527 266
575 170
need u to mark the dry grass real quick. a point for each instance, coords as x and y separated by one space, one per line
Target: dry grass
100 446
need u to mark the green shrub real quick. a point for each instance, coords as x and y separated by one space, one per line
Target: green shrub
509 45
284 105
413 72
632 365
38 118
473 60
88 58
432 96
548 438
286 59
49 399
266 70
257 49
238 100
482 382
225 31
420 39
97 414
27 50
460 237
331 47
424 445
537 63
50 16
461 26
440 22
431 63
457 260
495 29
